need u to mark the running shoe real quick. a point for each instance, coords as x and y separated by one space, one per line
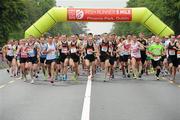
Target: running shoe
58 77
92 77
128 76
46 76
25 78
112 76
124 76
19 78
172 81
74 76
32 81
65 77
105 79
157 78
51 80
134 77
8 70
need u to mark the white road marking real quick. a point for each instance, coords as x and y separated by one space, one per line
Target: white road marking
87 100
2 86
11 81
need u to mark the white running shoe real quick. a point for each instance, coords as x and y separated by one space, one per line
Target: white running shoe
32 81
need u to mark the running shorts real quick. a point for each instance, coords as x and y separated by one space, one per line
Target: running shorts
33 60
156 63
23 60
112 59
48 62
75 58
103 58
125 58
42 60
173 60
63 57
9 58
91 58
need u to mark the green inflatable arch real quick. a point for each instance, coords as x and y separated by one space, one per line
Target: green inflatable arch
60 14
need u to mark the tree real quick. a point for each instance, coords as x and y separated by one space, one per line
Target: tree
167 10
12 13
34 9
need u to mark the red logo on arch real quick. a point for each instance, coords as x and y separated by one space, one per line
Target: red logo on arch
91 14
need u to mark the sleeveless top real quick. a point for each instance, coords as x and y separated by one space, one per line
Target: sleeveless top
135 50
51 55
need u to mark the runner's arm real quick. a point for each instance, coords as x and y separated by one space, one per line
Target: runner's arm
141 46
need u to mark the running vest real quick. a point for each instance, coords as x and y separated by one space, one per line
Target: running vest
112 48
126 47
73 48
51 55
104 47
23 52
89 49
10 51
135 51
32 52
64 48
121 53
42 49
171 50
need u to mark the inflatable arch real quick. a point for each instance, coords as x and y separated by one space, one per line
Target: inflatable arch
59 14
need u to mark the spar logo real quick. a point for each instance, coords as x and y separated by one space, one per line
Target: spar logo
79 14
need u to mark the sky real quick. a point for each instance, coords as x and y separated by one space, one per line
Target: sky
94 27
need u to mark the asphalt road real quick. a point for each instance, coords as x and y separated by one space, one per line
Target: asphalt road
120 99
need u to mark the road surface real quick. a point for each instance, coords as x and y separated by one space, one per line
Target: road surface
119 99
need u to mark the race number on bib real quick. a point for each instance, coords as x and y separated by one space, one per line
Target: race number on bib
127 47
73 50
104 48
23 55
64 50
156 58
135 50
89 51
178 54
172 52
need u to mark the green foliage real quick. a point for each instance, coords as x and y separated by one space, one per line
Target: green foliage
17 15
68 28
12 13
167 10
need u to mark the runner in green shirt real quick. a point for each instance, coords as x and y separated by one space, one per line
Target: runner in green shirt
156 51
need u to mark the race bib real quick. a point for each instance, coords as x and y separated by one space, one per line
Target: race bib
53 53
23 55
172 52
178 54
64 50
104 48
127 46
89 51
73 50
135 50
31 53
156 58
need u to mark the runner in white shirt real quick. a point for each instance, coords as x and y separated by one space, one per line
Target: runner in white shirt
51 58
126 44
136 57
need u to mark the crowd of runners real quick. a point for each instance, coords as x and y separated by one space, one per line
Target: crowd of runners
54 57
